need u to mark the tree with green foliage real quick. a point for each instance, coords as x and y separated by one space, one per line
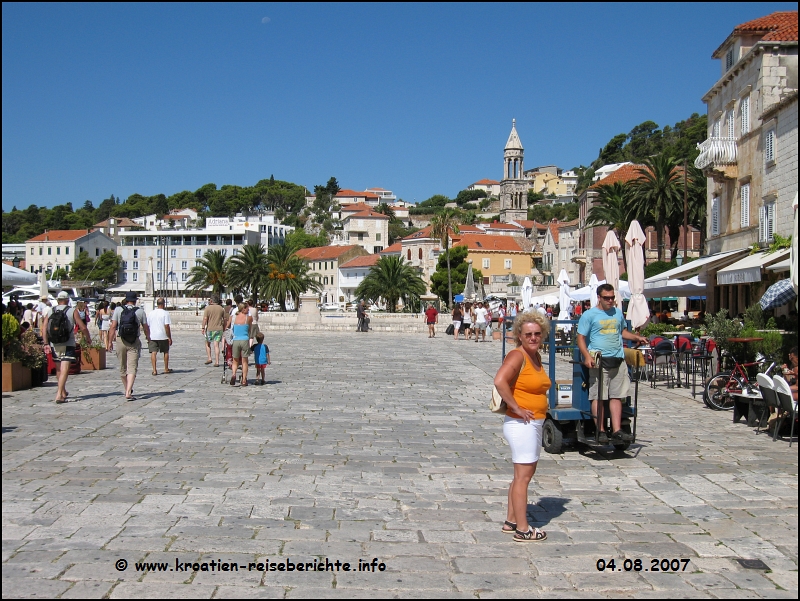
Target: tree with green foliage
106 267
391 279
247 270
299 238
82 266
458 270
385 209
469 196
442 225
210 271
325 199
658 194
614 209
288 274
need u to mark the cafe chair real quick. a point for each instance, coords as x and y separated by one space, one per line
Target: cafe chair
767 388
664 361
788 407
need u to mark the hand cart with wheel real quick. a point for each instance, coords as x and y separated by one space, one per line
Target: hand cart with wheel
570 420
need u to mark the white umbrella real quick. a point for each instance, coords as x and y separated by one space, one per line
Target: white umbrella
638 311
469 287
563 295
14 276
44 290
545 299
527 293
593 284
585 293
611 262
793 252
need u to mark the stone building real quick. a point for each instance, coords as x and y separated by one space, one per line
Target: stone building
750 156
325 262
513 186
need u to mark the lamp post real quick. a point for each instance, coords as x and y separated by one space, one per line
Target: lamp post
15 262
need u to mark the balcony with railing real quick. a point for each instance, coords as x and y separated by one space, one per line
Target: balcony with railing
718 157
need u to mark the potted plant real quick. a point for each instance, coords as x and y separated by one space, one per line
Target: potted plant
93 355
15 375
32 356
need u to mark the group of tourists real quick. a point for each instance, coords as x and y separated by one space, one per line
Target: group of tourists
472 319
241 319
524 384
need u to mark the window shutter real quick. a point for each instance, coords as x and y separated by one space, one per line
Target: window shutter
715 216
770 213
762 224
745 109
745 207
769 146
717 127
731 124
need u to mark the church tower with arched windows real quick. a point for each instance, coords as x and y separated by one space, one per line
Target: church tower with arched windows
513 187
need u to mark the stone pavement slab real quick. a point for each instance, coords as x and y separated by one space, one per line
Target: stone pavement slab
373 449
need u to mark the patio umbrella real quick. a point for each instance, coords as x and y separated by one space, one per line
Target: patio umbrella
778 294
638 311
611 262
44 289
593 284
563 295
527 293
469 287
14 276
793 252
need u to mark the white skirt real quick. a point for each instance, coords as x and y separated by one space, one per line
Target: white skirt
524 439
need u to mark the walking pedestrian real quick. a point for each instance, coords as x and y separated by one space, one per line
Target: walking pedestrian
103 321
431 318
31 316
214 319
467 321
261 358
160 335
457 317
480 321
241 342
58 335
128 320
523 384
361 314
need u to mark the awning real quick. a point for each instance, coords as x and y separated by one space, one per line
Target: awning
785 265
674 288
693 267
748 270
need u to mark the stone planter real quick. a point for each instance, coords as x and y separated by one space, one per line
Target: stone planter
93 358
16 377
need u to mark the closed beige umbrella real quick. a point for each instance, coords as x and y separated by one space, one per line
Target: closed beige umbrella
611 263
638 311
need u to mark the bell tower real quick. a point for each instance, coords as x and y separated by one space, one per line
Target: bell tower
513 187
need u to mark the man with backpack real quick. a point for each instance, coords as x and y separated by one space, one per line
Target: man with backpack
58 334
127 321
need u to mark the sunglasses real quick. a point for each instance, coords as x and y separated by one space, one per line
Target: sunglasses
608 298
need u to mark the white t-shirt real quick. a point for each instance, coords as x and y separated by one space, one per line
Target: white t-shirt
480 315
158 319
45 310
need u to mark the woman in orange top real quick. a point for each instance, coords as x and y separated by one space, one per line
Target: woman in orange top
523 384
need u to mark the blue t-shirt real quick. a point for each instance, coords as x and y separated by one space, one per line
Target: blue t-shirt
603 331
260 352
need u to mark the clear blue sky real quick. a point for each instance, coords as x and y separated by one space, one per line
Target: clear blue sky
103 99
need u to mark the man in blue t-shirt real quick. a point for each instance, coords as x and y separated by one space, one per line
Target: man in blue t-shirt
602 328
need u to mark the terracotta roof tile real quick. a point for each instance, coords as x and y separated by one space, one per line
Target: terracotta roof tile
59 236
366 215
397 247
470 229
778 27
624 174
479 242
486 182
322 253
568 223
355 207
503 226
347 193
553 225
423 233
120 222
365 261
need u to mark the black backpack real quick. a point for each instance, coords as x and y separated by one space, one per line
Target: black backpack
58 327
128 324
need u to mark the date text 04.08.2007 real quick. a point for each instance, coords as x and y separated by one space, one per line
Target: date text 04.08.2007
637 565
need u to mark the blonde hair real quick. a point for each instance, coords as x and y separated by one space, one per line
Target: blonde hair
242 308
530 317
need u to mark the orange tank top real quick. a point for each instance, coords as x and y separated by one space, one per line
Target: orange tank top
530 390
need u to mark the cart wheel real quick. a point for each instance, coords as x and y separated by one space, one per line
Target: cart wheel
552 438
623 446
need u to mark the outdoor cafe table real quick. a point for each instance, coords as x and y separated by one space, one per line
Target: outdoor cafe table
751 405
677 357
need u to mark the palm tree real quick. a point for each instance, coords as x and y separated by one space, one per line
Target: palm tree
441 226
209 271
385 209
698 210
248 269
658 193
287 274
614 209
391 279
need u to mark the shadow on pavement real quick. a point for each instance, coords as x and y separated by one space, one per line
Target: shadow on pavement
547 509
7 429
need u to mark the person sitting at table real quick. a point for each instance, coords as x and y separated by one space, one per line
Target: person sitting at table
790 371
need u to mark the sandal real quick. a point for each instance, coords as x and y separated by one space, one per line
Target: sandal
60 401
155 373
208 362
512 527
534 535
167 371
